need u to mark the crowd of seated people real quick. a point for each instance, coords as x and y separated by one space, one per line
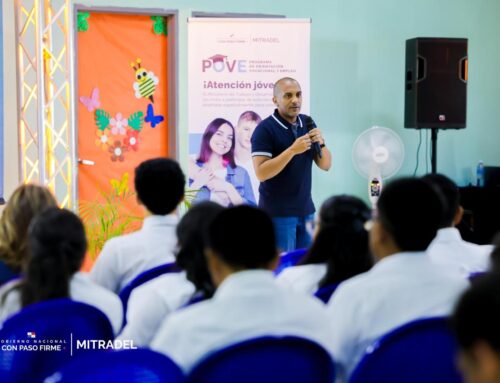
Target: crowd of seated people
339 250
402 262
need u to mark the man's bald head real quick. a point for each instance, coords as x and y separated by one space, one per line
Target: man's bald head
277 85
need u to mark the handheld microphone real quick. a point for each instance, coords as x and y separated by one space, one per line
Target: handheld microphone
310 124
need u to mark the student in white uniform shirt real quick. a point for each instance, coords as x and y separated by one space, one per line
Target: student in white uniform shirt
495 254
57 247
475 321
241 253
159 184
404 285
448 248
339 250
151 303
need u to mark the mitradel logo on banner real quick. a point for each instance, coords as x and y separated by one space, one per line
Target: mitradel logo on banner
36 343
232 67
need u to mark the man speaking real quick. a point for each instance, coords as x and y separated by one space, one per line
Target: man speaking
283 148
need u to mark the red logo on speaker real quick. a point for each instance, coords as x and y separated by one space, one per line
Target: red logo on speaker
442 117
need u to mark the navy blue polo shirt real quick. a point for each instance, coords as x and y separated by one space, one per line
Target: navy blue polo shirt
287 194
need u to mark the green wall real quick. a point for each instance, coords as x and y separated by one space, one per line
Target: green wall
357 74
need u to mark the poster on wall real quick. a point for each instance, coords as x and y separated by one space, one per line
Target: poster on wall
233 64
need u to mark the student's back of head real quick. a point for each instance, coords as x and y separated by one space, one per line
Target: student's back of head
57 246
25 203
159 183
341 240
242 237
476 323
191 234
411 211
449 191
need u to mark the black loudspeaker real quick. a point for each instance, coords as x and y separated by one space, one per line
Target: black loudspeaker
436 83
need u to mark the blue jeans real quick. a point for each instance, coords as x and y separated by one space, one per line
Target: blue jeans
291 232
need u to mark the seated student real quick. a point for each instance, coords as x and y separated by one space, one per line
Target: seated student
404 284
448 248
495 254
57 247
241 254
152 302
339 250
25 203
475 321
159 184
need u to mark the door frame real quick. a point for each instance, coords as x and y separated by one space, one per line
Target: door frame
172 16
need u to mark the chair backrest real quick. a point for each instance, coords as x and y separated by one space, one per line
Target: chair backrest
290 258
420 351
476 275
43 337
127 366
142 278
325 293
267 360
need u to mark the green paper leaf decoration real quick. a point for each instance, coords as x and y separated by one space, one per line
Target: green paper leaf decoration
160 25
101 119
135 120
82 22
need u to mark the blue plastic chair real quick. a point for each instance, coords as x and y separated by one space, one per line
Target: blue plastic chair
142 278
420 351
325 293
472 277
52 328
290 258
267 360
127 366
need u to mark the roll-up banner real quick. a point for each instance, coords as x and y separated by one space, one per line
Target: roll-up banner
233 64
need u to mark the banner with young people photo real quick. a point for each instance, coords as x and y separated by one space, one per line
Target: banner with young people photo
233 64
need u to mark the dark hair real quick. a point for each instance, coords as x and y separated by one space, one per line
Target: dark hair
249 115
477 314
411 210
243 236
159 183
450 192
342 241
191 233
206 151
57 246
495 254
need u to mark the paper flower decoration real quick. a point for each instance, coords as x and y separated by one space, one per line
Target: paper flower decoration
118 124
117 151
132 140
102 139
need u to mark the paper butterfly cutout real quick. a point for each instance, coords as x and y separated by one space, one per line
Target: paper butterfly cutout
91 102
151 118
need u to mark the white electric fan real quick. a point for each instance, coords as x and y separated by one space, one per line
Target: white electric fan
377 154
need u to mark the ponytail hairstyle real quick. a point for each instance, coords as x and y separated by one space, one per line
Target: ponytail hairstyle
191 233
56 248
342 241
26 202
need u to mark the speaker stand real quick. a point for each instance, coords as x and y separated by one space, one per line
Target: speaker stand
434 138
